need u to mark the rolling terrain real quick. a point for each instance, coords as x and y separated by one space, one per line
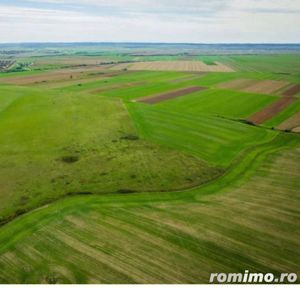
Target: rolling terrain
143 168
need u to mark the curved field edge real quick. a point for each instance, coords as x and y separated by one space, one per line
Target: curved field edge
64 144
236 175
78 177
164 237
237 167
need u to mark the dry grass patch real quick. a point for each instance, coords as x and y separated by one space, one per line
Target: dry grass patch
265 87
254 86
237 84
292 123
184 66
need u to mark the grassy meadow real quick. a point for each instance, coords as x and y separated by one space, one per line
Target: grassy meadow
98 187
61 143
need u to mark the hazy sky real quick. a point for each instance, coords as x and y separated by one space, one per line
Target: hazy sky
197 21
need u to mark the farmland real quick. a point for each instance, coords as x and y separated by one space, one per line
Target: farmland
128 165
195 66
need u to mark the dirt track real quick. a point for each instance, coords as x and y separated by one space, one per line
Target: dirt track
170 95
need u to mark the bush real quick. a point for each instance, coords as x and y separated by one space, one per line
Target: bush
70 158
129 137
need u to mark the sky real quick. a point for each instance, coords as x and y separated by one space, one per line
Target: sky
174 21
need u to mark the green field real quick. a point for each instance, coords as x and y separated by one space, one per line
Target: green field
275 64
164 238
227 103
213 139
98 187
61 144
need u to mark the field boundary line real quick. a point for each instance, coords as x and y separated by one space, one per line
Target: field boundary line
245 159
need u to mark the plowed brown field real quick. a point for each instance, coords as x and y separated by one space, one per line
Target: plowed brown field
271 110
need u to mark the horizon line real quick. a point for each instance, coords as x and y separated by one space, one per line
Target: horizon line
139 42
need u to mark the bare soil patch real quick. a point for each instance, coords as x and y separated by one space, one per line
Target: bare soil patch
291 124
169 95
292 91
271 110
